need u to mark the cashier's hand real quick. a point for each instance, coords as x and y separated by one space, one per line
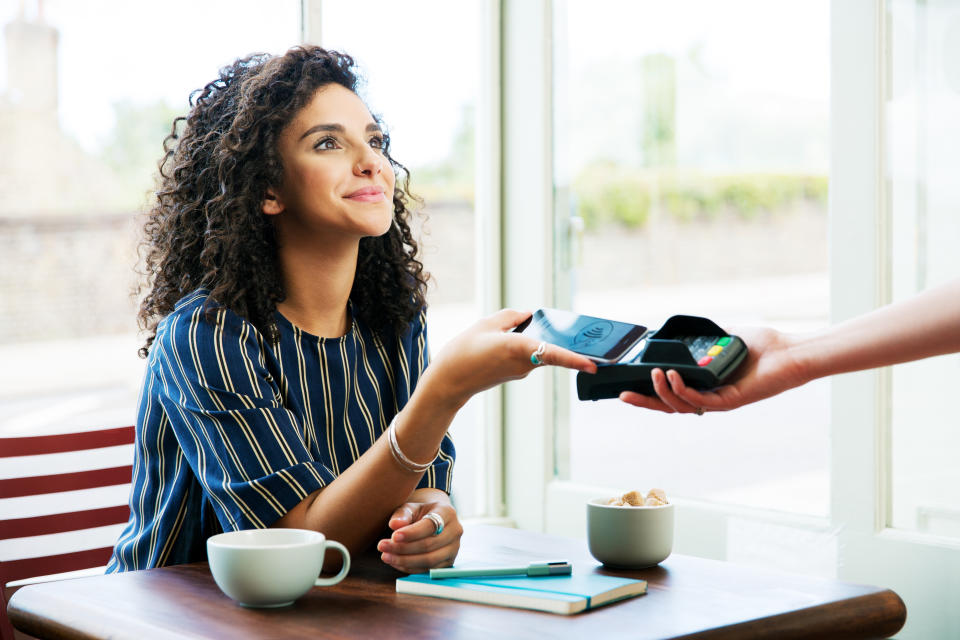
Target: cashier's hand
414 546
770 368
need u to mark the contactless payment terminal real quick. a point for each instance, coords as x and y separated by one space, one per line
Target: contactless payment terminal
702 353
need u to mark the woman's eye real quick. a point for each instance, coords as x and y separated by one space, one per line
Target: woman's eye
326 143
378 143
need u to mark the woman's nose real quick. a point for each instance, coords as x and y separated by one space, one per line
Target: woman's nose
369 163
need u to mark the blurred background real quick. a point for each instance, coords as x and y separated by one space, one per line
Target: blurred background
689 151
693 172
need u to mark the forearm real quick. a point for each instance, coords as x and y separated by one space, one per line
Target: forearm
354 508
923 326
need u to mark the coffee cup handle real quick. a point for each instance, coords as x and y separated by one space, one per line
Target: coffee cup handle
326 582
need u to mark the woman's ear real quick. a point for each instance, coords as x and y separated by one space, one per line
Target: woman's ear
271 203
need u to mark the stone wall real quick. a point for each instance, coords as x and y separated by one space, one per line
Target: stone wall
66 277
73 277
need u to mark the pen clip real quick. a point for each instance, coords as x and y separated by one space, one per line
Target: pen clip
556 568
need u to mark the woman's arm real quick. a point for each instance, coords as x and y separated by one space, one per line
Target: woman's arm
353 508
925 325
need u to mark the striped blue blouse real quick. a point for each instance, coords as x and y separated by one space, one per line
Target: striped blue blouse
233 432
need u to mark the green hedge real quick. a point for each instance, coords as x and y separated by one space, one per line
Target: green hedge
628 199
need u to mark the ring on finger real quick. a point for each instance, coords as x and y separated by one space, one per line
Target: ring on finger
438 522
535 357
699 411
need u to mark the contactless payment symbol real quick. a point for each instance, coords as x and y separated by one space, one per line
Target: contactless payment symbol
593 333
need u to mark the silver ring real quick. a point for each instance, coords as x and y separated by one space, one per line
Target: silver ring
699 411
535 358
438 522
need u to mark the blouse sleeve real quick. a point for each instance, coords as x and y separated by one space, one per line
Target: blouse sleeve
247 451
440 473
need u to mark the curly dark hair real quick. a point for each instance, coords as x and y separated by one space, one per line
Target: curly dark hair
207 229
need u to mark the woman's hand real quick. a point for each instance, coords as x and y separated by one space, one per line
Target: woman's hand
414 546
770 368
489 353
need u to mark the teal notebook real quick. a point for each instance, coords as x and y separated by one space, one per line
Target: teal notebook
556 594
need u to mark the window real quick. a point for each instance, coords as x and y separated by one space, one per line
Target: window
691 163
89 93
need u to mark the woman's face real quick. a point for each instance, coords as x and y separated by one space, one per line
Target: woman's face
336 177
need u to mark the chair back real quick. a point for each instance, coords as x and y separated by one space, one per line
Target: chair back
65 521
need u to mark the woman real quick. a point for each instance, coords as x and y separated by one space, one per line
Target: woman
287 334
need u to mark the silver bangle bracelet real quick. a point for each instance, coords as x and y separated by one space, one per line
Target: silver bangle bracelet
398 455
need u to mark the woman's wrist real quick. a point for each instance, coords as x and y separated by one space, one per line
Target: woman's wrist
436 390
416 432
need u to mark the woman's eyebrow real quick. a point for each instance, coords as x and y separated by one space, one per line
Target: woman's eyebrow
336 128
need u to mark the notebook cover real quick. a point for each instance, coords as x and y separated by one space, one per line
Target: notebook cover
556 594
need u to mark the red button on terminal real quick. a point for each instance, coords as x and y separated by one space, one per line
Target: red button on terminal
705 360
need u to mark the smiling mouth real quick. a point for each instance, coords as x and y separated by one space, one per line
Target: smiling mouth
370 194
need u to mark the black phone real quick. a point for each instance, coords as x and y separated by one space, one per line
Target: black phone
702 353
601 340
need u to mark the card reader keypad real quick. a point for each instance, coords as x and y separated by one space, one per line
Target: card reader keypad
704 348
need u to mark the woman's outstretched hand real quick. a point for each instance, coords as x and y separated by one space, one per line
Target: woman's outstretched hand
488 353
769 369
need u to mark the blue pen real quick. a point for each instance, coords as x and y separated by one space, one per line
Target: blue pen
533 570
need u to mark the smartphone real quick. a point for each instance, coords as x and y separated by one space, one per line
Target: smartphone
601 340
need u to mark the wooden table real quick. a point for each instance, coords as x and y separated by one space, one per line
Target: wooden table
687 597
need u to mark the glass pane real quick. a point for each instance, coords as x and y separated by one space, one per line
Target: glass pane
922 164
88 91
691 164
429 111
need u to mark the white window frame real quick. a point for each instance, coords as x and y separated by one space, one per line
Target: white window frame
489 267
528 245
920 567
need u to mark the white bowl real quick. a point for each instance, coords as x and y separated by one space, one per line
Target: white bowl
629 537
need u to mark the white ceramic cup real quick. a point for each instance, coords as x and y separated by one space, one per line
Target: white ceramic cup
271 567
629 537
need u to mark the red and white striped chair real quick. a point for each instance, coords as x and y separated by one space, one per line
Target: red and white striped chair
63 502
